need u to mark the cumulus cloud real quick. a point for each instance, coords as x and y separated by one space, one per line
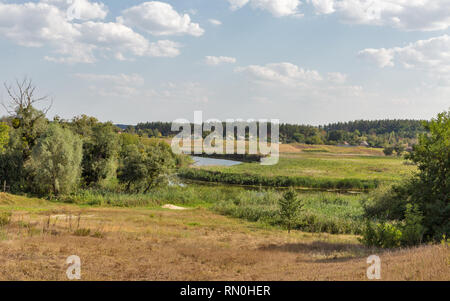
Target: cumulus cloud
423 15
292 81
44 24
431 55
278 8
81 9
218 60
158 18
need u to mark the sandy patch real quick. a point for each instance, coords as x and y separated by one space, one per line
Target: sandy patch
173 207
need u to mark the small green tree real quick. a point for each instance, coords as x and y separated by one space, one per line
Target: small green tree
412 231
290 208
56 161
431 191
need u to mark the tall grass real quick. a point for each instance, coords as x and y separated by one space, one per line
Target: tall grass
324 211
276 181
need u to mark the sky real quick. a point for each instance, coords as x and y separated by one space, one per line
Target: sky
299 61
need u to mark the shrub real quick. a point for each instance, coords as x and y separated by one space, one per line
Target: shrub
82 232
412 230
5 218
383 235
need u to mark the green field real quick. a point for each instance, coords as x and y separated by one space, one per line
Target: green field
327 165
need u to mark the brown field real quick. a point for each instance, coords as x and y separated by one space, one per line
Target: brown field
159 244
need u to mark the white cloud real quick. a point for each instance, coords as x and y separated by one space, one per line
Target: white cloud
431 56
215 22
81 9
278 8
382 57
164 48
284 73
158 18
218 60
237 4
423 15
42 24
337 77
289 81
323 6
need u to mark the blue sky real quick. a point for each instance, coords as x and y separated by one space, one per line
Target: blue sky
301 61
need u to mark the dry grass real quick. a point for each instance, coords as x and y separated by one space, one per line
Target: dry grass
157 244
358 150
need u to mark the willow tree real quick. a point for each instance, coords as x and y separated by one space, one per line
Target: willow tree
56 161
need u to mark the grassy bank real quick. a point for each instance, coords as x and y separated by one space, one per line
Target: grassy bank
325 211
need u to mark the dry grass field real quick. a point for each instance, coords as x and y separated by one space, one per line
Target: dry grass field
195 244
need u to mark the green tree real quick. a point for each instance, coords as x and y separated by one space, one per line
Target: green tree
431 190
146 166
56 161
290 208
4 136
12 167
100 154
132 169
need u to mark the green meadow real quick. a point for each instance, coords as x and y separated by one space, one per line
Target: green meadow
327 165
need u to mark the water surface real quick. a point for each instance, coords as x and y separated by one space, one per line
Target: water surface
201 161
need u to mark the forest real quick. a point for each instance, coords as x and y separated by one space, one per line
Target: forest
376 133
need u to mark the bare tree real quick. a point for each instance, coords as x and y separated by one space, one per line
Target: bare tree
22 97
31 121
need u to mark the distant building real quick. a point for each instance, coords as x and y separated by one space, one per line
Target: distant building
364 143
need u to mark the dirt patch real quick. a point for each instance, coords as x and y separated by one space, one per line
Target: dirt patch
173 207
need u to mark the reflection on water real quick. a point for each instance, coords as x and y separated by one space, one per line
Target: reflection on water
201 161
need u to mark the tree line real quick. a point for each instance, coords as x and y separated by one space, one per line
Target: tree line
53 157
373 133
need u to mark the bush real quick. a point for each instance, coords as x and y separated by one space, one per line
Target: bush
382 235
388 202
413 230
409 232
388 150
5 218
